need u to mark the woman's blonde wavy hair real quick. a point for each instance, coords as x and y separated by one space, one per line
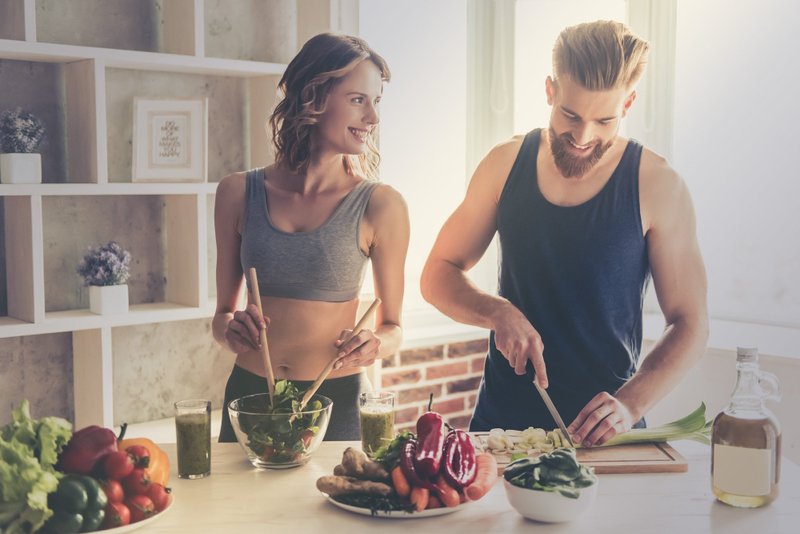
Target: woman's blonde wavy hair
308 80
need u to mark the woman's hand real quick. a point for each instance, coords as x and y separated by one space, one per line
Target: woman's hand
359 351
242 333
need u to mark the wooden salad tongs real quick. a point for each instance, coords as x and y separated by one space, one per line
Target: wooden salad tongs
328 368
256 296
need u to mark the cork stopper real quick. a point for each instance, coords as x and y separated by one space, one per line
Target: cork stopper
746 354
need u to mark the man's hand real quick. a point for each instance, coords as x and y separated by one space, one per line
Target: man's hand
359 351
519 342
601 419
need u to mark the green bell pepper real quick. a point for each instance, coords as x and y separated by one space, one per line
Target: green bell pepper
78 505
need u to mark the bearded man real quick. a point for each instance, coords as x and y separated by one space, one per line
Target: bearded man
585 218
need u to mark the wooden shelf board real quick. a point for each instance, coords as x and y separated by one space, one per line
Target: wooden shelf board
135 59
75 320
83 189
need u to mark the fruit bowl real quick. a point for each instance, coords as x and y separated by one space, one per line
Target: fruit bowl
279 439
547 506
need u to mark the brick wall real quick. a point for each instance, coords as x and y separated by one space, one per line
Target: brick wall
452 372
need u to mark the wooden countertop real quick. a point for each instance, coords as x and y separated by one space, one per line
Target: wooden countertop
237 498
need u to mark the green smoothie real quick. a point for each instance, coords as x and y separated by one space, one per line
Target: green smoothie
193 432
377 427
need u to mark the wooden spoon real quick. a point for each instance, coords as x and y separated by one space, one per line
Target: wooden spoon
256 295
328 368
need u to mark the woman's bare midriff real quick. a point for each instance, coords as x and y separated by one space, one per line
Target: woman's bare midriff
301 337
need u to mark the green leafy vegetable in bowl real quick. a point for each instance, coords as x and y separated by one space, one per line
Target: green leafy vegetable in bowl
29 449
558 471
279 434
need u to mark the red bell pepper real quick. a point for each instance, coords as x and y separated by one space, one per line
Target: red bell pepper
86 448
430 434
459 459
407 458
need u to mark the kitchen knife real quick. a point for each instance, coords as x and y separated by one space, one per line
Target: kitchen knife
553 412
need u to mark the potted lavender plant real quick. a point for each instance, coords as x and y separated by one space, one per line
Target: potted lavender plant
21 133
105 270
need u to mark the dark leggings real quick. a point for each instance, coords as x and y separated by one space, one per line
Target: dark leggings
344 424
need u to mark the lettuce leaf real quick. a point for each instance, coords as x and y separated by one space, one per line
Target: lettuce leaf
29 449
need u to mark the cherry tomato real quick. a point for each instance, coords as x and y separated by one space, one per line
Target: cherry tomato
141 507
117 465
306 435
113 490
159 495
137 483
140 454
117 515
268 452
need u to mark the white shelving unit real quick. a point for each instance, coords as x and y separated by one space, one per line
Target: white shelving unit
87 175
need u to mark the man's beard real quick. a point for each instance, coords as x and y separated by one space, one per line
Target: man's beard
572 166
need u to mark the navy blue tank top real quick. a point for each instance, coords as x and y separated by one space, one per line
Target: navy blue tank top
579 275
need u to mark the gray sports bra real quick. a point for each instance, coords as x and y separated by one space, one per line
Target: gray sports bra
322 264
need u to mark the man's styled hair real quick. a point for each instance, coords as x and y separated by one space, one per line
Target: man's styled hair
600 56
305 86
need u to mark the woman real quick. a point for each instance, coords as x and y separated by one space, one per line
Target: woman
308 223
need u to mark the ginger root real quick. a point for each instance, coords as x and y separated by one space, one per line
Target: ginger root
356 464
341 485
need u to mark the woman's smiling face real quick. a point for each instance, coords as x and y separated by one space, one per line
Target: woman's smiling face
351 111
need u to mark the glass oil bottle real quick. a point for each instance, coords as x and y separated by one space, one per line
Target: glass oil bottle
746 439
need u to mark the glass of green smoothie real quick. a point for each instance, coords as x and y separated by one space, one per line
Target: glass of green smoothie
377 419
193 432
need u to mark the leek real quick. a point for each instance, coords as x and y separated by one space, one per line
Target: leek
694 427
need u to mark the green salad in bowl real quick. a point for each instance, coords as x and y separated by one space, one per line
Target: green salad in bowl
279 434
552 487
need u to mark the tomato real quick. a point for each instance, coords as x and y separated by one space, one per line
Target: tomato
268 452
137 483
159 495
306 435
158 468
141 507
117 465
117 515
113 489
140 455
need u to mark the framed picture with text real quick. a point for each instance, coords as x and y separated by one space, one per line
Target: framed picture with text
170 140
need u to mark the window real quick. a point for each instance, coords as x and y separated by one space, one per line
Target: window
423 120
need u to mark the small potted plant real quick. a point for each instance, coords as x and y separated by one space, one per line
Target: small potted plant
21 133
105 270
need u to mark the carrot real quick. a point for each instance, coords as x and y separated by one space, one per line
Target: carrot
419 498
400 482
434 502
485 477
448 493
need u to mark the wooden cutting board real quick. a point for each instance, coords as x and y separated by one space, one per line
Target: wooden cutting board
636 458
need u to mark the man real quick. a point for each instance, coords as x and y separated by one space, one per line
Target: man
584 218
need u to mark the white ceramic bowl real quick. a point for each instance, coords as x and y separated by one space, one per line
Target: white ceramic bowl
550 507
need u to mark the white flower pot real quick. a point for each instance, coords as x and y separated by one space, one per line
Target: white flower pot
21 168
108 300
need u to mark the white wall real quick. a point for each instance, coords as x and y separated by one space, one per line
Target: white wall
736 145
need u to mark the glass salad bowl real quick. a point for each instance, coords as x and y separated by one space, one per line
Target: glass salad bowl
282 437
